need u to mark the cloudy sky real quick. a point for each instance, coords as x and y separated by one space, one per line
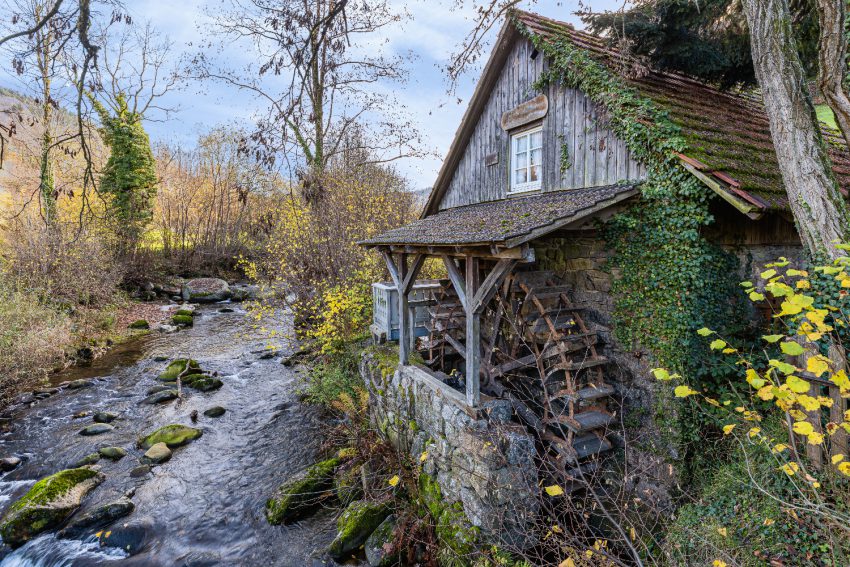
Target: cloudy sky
434 30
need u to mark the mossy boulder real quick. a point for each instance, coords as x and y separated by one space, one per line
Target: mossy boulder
299 497
96 429
47 504
89 459
379 545
204 383
175 367
215 411
185 312
104 417
98 517
182 320
206 290
160 397
141 324
355 525
173 435
112 453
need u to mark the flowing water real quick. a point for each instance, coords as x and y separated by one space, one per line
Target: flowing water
205 505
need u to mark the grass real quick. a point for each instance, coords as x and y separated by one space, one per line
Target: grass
826 116
33 339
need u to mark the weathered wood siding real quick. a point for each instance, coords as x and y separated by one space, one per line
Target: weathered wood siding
596 155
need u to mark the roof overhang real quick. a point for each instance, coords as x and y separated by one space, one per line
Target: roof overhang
726 187
504 228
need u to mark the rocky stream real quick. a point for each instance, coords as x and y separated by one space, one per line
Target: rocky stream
205 505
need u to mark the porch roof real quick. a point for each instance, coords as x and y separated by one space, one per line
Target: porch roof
508 222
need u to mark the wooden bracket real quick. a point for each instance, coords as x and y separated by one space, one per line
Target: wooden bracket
456 279
491 284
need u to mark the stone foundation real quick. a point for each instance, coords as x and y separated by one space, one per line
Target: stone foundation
479 458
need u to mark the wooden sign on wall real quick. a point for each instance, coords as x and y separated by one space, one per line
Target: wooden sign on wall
525 113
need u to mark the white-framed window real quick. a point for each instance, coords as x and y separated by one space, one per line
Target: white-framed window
526 160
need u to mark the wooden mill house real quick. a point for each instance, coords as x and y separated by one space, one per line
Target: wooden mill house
514 215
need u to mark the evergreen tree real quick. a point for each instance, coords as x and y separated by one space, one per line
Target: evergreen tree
129 177
707 39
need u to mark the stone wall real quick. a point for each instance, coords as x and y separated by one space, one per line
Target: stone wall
479 459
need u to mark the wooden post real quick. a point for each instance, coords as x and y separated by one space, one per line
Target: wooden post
473 336
403 314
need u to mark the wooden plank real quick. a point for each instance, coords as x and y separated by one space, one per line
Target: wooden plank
586 394
561 322
525 113
747 208
585 421
590 444
461 350
564 347
580 365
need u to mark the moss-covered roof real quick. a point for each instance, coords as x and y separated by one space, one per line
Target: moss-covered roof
508 222
727 132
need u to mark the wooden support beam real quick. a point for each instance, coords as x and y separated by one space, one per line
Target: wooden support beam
456 278
413 272
473 336
391 266
523 253
403 313
491 284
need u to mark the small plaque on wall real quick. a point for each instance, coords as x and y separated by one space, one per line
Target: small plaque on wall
525 113
491 159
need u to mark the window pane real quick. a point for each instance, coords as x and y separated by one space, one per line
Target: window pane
521 143
521 160
535 173
537 139
521 176
536 156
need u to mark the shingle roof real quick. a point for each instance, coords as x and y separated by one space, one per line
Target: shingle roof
508 222
727 132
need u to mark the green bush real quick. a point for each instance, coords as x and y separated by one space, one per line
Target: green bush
736 522
333 376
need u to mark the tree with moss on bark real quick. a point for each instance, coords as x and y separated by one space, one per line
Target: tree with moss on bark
129 178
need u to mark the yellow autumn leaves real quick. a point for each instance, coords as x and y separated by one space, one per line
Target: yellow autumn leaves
793 390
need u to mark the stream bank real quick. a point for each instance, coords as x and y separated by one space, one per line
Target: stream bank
204 506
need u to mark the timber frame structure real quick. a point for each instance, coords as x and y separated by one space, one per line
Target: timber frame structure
480 245
472 293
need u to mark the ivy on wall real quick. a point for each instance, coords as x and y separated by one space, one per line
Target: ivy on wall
669 280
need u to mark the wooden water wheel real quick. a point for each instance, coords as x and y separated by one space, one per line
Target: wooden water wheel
537 350
550 344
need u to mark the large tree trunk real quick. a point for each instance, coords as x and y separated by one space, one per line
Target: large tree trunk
819 210
832 63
